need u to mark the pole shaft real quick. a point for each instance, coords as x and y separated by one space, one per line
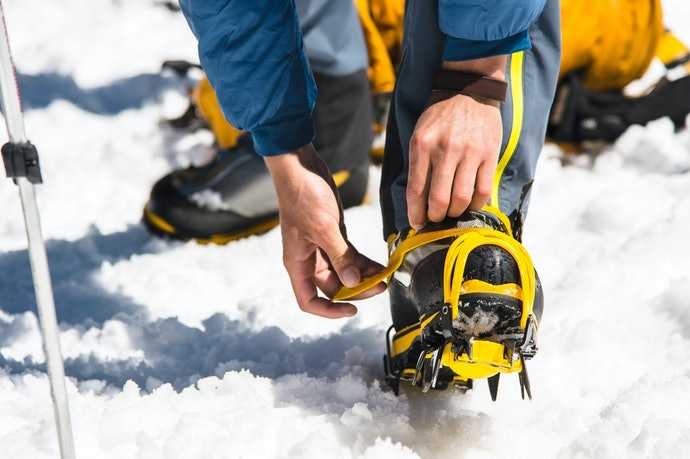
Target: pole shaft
11 101
47 317
12 110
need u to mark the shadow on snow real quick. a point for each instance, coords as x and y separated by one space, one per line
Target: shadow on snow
172 351
38 91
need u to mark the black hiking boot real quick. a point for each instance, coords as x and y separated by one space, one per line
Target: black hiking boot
231 197
466 302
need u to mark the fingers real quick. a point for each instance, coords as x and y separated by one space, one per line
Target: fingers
347 268
306 273
417 187
452 159
324 308
331 285
482 188
446 189
315 273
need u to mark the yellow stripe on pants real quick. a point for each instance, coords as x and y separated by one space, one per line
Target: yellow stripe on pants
516 93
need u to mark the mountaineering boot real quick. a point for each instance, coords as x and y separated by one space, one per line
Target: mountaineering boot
465 301
231 197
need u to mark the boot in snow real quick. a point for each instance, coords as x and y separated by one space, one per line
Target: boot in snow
230 198
465 301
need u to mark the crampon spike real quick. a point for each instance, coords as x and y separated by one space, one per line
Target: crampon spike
419 368
493 385
435 365
426 375
524 380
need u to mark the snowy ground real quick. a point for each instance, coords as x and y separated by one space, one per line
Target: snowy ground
178 350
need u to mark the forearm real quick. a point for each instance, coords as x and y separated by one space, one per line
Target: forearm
287 169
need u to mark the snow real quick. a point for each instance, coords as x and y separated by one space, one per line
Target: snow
179 350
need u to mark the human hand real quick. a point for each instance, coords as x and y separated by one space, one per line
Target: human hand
454 149
316 251
453 156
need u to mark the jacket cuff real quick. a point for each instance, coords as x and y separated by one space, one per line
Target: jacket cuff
460 49
284 135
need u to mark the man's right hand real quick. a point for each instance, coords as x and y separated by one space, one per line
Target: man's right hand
316 251
454 150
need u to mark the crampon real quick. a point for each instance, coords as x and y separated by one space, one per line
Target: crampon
478 299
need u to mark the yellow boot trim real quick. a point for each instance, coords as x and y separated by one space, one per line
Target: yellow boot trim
340 177
402 340
427 318
158 222
220 239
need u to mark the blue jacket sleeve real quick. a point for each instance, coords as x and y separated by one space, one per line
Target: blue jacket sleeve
485 28
253 56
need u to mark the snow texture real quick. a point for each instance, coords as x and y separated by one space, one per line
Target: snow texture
179 350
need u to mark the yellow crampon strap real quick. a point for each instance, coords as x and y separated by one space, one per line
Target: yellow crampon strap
456 260
415 240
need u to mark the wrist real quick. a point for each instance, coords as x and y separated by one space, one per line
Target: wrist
290 166
451 82
494 67
285 163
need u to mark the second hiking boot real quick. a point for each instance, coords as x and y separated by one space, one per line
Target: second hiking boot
231 197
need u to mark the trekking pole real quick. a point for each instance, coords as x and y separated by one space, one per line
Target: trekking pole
21 164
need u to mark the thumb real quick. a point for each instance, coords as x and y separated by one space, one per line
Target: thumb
343 259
